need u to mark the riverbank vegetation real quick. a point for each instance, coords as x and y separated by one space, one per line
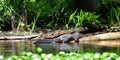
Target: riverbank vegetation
55 14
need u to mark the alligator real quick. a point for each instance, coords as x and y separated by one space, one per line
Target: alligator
61 39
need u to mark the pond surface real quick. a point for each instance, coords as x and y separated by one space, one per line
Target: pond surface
15 47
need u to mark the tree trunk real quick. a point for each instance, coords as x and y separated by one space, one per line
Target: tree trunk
24 13
13 22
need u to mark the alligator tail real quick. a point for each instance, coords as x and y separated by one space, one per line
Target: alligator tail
44 41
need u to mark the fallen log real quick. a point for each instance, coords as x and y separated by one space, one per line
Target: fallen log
113 43
105 36
18 37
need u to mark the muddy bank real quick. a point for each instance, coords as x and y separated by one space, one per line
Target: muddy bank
50 34
42 34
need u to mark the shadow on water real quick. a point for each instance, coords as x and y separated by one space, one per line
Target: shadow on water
56 47
80 48
15 47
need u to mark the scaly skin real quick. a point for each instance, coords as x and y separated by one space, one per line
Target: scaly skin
62 39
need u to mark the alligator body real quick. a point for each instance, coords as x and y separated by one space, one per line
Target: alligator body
61 39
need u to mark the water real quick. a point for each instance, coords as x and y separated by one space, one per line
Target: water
15 47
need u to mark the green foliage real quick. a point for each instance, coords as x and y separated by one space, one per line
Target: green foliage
39 50
6 11
83 18
114 15
55 13
71 18
52 12
21 25
1 57
65 56
110 11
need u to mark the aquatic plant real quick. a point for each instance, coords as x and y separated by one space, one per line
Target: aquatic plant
64 56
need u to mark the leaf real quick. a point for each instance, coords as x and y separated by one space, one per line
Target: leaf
1 57
71 16
29 53
39 50
66 26
32 1
24 53
1 8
